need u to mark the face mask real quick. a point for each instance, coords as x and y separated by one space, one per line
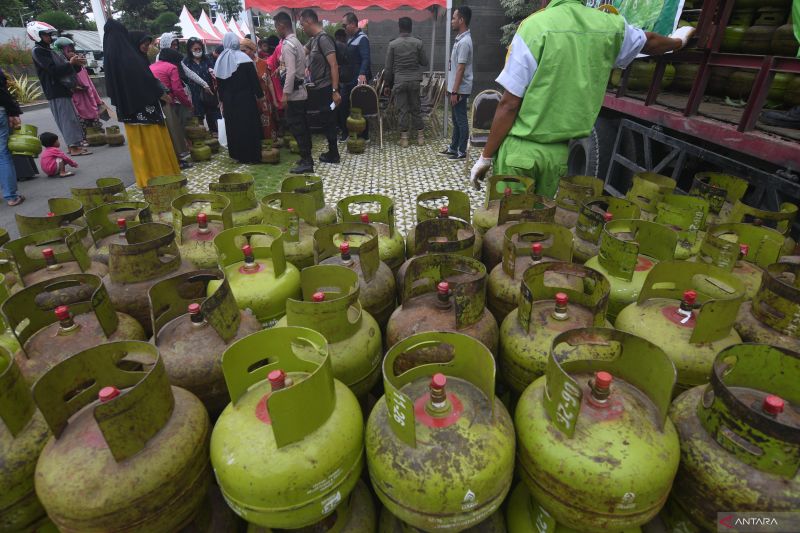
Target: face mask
197 53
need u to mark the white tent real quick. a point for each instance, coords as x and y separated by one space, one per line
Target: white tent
190 28
205 22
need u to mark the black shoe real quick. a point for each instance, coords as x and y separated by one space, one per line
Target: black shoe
304 166
447 152
184 164
457 157
782 119
329 157
343 137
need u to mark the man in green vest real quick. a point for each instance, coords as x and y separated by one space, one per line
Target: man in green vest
555 77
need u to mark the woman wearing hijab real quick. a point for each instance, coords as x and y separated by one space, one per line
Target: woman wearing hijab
167 70
266 105
85 97
239 92
136 94
204 102
141 41
169 40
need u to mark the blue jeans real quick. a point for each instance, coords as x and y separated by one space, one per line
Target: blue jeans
8 175
460 125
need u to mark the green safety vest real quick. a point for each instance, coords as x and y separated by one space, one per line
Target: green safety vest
575 48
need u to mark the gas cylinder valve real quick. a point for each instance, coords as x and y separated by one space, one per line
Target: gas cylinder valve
65 319
444 212
196 315
601 388
773 405
687 304
560 311
50 259
202 223
438 404
249 258
443 295
536 251
122 224
344 250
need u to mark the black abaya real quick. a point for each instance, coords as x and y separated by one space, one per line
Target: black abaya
238 95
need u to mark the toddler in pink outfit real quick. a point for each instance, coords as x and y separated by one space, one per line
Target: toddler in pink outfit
53 161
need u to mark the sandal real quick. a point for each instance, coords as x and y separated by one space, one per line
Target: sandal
66 174
82 152
16 201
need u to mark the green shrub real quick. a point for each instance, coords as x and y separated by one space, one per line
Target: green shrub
165 22
58 19
14 53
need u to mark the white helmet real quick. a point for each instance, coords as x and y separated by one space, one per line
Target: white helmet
35 29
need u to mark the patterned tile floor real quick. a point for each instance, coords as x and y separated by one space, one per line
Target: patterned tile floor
400 173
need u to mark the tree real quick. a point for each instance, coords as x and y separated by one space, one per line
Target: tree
229 8
517 11
58 19
165 22
76 9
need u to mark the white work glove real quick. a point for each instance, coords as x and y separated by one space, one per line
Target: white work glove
479 170
684 34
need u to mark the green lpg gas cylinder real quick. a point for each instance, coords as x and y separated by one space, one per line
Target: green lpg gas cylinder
8 340
23 434
62 212
389 523
440 445
239 188
444 292
496 188
5 264
356 514
688 310
525 515
739 441
647 190
56 318
110 222
310 184
628 250
255 266
593 215
721 191
573 192
379 211
295 215
556 297
443 204
330 306
514 208
596 448
160 192
194 233
191 330
120 432
743 249
24 141
773 317
687 216
443 235
107 189
148 255
377 294
525 244
781 220
60 253
289 448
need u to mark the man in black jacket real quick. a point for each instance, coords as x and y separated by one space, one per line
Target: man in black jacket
57 77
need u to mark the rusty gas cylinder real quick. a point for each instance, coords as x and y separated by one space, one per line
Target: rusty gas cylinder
160 192
23 434
573 192
191 330
524 244
592 217
497 187
688 310
194 233
628 251
590 428
443 204
444 292
743 249
330 306
389 523
780 220
686 215
109 223
440 444
378 290
294 214
62 212
513 210
120 430
739 441
450 236
59 252
647 190
56 318
311 185
8 340
379 211
721 191
555 297
106 189
239 188
773 317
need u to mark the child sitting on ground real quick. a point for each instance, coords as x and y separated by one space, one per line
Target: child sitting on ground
53 161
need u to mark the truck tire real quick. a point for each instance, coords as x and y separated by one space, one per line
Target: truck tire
590 155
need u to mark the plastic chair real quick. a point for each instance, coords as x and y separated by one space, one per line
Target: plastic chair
365 98
483 108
